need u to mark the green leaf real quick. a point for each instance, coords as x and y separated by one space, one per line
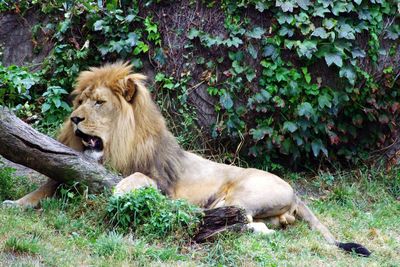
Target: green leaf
307 48
261 6
289 126
320 11
320 32
45 107
305 109
234 41
285 31
393 33
259 133
256 33
303 4
358 53
237 68
269 50
334 58
252 51
339 7
130 18
226 101
57 102
324 100
193 33
250 74
307 75
349 73
285 18
346 31
317 147
98 25
329 23
286 6
132 39
65 106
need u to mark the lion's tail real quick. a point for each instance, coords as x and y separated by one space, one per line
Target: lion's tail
307 215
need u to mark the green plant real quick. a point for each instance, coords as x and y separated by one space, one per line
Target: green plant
22 245
15 85
110 244
54 108
269 89
12 186
149 212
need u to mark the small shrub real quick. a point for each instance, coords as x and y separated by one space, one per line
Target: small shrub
22 245
12 186
343 195
54 108
15 84
149 212
111 244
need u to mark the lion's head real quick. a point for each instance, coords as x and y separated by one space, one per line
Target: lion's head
113 113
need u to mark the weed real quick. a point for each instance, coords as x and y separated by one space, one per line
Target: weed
22 245
149 212
11 186
110 245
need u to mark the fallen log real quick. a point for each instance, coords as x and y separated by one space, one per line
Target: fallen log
218 220
22 144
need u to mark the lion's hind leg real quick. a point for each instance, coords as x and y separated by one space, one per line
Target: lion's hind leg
282 220
258 227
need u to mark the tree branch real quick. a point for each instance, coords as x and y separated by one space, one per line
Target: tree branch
24 145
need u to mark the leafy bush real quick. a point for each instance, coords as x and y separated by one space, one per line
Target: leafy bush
12 186
15 85
270 92
54 108
149 212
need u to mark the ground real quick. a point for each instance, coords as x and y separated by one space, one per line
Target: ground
361 206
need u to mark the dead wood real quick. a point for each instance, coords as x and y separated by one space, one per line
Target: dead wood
22 144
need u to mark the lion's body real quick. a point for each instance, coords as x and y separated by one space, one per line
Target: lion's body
113 105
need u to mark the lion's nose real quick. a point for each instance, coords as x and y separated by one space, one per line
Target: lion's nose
77 120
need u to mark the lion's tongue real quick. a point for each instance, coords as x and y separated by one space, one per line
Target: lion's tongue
94 142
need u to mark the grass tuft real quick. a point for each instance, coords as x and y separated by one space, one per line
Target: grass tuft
110 245
22 245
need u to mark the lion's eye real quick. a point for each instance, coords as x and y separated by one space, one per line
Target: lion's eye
100 102
80 102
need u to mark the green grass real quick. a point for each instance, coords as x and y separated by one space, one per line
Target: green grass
72 230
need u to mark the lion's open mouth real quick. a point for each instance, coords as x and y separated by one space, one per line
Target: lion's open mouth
89 141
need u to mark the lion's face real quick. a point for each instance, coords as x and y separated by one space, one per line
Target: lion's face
94 117
114 119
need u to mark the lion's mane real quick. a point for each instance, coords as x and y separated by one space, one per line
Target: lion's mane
141 141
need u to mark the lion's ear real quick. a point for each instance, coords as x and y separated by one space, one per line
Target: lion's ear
129 87
131 84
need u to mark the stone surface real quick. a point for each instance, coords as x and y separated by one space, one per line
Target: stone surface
18 47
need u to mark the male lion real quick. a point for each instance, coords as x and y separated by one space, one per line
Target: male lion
116 121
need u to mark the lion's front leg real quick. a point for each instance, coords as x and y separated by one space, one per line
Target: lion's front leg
32 199
132 182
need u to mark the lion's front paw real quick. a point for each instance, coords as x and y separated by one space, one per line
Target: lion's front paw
260 228
10 204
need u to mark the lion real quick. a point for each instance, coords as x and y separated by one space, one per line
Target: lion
116 122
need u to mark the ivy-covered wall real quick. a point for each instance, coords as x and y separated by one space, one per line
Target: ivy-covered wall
295 81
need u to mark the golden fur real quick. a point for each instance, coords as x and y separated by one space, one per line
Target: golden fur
140 141
113 104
